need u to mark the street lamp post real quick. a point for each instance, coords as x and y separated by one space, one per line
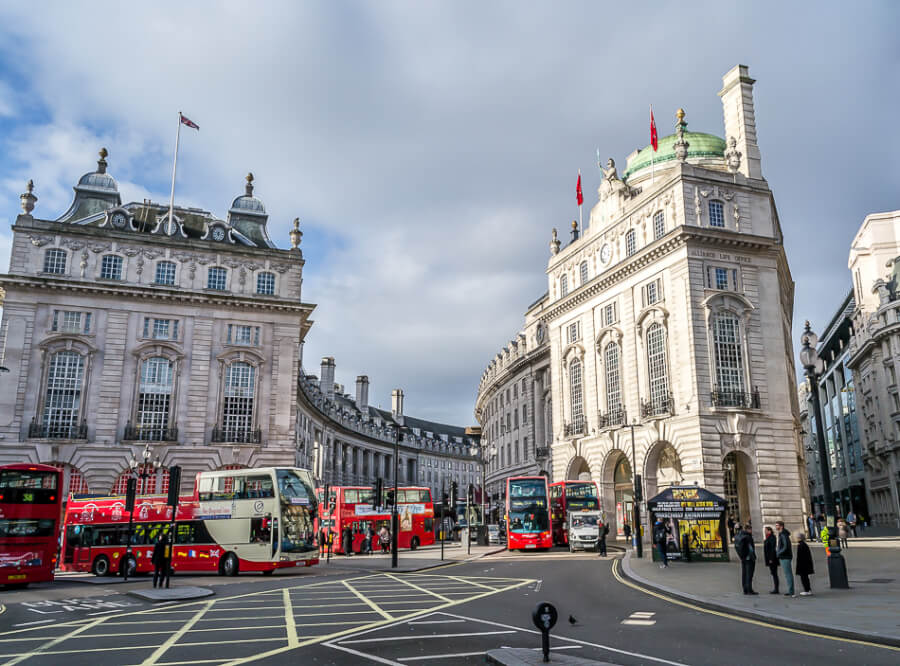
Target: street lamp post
139 471
814 366
395 518
636 494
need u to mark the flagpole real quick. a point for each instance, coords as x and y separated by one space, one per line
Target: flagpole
174 167
580 221
652 167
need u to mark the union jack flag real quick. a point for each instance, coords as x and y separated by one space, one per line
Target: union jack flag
190 123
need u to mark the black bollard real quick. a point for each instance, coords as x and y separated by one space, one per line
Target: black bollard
544 617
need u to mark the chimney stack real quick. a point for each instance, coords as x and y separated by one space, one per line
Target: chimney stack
362 393
397 405
326 377
740 118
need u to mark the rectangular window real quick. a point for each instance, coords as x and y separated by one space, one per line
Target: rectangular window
659 225
716 214
610 314
165 273
239 334
55 261
216 278
265 284
66 321
721 277
111 267
573 332
652 292
515 391
160 329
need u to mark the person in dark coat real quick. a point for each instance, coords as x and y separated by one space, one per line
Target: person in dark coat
347 541
731 526
160 561
771 558
604 530
746 551
661 538
804 565
785 554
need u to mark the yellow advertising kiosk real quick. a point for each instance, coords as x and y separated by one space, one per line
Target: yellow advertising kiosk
695 521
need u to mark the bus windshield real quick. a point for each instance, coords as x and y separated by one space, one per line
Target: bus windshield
298 509
22 478
581 496
528 506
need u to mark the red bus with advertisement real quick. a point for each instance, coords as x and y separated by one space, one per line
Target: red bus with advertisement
352 507
568 496
237 520
30 507
527 513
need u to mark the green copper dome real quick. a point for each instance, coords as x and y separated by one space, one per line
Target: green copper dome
701 145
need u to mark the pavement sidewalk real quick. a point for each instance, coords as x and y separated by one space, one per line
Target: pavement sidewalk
869 610
427 557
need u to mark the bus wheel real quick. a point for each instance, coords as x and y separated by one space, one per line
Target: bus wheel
268 572
230 565
414 543
128 564
100 566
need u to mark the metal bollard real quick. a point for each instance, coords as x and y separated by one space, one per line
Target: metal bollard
544 617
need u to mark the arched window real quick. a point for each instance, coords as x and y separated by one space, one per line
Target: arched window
583 272
563 286
716 214
154 404
237 406
55 261
150 481
657 369
613 383
726 334
265 283
165 272
111 267
216 278
659 225
62 400
575 392
630 243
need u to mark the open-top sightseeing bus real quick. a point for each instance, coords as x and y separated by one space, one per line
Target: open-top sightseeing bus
353 509
527 513
566 496
29 523
236 520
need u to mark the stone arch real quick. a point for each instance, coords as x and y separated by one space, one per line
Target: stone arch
578 469
616 491
662 468
740 488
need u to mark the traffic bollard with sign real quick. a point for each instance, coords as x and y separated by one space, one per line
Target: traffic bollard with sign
544 617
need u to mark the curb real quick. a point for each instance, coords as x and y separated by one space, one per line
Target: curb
769 618
415 569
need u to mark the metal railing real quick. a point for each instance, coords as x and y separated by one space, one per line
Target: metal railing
748 399
57 431
577 427
236 435
144 433
659 407
542 452
612 418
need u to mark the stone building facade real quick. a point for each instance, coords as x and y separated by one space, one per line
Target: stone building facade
513 406
672 312
124 329
874 357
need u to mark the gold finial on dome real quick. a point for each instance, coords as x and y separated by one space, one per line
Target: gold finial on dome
680 115
249 187
250 177
101 163
574 224
104 153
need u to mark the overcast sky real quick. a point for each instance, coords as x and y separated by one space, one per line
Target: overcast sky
428 148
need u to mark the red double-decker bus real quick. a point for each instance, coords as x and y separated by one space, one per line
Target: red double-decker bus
568 496
527 513
29 523
237 520
352 507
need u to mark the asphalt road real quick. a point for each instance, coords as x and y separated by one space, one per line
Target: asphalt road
449 615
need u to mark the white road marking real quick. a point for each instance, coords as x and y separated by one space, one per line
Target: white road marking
420 622
640 618
537 588
419 638
28 624
642 623
440 656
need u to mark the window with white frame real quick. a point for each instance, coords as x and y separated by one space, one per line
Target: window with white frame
575 392
610 314
652 292
726 333
583 272
573 332
265 283
216 278
613 378
524 414
716 214
69 321
160 329
630 243
659 225
154 403
55 261
237 404
721 277
563 286
62 399
657 367
111 267
241 334
165 272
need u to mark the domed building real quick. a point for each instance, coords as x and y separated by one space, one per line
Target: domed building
668 323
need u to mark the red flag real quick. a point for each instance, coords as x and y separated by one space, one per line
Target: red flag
190 123
579 197
653 141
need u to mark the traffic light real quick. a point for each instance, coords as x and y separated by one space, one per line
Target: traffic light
390 497
174 485
445 500
471 494
130 492
453 492
377 490
326 491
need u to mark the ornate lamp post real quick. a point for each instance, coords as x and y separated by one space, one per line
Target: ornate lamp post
814 366
395 518
143 471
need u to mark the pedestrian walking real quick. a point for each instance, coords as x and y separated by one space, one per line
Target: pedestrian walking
661 538
369 540
804 565
160 560
323 544
843 532
771 559
785 554
347 541
851 521
626 530
746 551
731 527
811 527
604 530
384 537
